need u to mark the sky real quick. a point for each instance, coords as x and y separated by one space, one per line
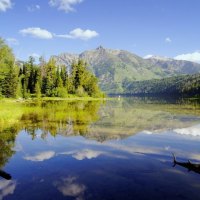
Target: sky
167 28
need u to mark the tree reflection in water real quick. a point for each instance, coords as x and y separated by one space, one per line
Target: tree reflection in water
92 119
7 143
50 117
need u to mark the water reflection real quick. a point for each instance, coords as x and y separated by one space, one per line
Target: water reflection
60 117
5 175
188 165
193 130
94 120
97 150
98 120
127 117
7 143
71 187
41 156
7 188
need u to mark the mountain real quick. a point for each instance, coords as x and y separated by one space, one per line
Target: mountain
174 67
116 68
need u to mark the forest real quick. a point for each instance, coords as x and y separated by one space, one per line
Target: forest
44 79
184 85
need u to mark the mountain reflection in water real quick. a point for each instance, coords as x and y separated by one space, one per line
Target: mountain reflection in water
119 149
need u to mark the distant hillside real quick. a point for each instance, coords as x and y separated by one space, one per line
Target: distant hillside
114 68
173 67
185 85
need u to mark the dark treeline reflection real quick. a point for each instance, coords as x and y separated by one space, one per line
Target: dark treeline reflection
7 143
161 100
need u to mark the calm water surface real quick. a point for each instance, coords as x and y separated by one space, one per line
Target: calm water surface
120 149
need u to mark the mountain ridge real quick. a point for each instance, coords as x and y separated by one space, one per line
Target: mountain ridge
115 67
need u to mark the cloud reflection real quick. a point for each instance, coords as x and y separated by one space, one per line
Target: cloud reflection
136 149
83 154
91 154
193 130
46 155
6 188
70 187
78 155
87 154
18 147
147 132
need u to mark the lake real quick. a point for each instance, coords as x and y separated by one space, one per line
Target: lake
117 149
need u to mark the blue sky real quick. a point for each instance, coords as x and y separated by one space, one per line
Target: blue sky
145 27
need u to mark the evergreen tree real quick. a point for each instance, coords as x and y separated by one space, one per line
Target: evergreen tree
49 79
44 79
38 90
81 81
8 71
11 82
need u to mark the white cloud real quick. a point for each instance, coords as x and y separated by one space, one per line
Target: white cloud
148 56
79 33
5 4
46 155
70 187
193 130
36 32
12 41
65 5
33 8
168 40
194 57
6 188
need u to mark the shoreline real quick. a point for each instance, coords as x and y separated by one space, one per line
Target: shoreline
55 99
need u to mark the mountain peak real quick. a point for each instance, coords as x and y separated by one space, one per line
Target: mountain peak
99 48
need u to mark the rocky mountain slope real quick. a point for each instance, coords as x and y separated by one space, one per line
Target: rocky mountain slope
116 68
173 67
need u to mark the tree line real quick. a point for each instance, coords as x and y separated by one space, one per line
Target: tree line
183 85
44 79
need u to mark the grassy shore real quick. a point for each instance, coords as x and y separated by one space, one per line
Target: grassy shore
69 98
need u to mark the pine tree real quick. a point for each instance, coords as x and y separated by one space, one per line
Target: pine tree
11 82
8 71
43 79
38 90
